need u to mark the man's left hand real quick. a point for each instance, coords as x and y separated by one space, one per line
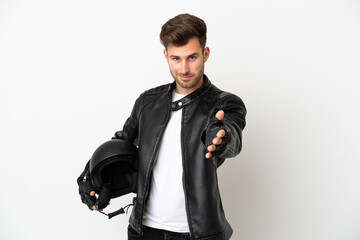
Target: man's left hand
220 134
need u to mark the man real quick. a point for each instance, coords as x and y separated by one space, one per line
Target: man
184 131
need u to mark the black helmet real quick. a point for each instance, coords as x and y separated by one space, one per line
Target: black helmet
113 168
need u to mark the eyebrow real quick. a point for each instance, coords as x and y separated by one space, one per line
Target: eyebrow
193 54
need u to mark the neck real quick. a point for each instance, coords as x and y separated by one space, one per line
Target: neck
186 91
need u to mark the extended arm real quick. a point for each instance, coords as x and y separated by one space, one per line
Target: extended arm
224 133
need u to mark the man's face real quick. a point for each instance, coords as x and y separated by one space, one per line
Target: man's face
186 65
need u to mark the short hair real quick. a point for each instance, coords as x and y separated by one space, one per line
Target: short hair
181 28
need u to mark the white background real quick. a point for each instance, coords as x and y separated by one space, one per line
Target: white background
71 70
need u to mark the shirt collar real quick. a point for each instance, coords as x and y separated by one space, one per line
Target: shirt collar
190 97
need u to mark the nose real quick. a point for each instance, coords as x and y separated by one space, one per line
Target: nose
184 68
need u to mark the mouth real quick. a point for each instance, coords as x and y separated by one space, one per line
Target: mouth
185 78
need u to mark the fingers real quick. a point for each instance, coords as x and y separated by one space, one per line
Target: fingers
221 133
218 139
211 148
92 194
100 210
220 115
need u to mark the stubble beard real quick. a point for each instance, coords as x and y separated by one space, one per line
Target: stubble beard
195 82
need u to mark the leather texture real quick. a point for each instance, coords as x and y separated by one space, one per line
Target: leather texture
85 187
145 127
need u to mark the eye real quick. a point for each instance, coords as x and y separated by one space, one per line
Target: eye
175 59
192 58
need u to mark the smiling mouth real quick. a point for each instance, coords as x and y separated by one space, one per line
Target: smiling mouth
185 77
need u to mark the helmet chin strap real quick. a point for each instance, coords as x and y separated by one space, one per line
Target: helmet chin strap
104 199
120 211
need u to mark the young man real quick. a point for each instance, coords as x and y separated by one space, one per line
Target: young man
184 131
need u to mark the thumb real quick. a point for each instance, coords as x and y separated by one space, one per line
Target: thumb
220 115
104 197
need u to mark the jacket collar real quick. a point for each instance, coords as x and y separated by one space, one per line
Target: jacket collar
190 97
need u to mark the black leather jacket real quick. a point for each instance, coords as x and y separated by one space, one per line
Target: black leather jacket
199 126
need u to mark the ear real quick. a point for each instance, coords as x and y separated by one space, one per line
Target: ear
206 53
166 55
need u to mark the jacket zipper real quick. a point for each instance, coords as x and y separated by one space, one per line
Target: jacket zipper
183 173
152 167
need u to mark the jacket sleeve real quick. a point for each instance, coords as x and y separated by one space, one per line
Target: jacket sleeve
131 126
233 124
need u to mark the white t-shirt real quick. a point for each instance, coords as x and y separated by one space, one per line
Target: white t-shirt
165 207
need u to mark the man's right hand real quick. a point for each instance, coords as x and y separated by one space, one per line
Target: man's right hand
92 194
86 189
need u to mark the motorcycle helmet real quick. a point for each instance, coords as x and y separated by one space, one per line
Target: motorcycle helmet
113 168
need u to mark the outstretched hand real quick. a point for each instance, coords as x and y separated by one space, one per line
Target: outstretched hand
218 138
